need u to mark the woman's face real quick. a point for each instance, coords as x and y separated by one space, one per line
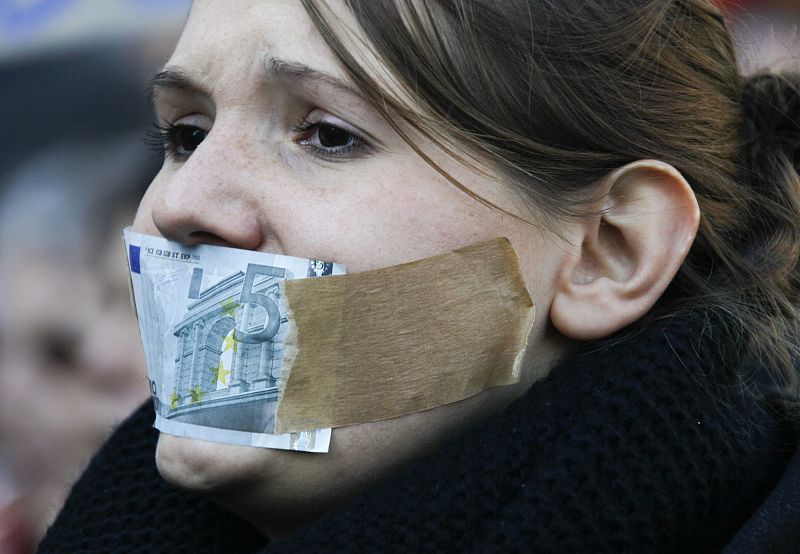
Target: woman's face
269 150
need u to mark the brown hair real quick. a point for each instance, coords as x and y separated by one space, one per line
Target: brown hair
558 94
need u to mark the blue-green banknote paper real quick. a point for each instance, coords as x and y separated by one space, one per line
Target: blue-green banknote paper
213 323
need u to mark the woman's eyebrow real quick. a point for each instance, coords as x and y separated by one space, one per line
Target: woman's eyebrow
275 69
170 78
279 69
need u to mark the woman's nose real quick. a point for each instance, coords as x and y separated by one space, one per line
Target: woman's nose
205 200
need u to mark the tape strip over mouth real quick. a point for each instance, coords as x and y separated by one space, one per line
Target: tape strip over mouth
403 339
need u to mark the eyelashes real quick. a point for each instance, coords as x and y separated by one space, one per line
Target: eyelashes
333 141
320 139
155 139
175 141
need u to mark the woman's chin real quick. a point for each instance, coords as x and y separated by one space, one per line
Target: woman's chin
209 468
271 489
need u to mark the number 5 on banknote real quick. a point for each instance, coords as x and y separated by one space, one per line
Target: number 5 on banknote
272 322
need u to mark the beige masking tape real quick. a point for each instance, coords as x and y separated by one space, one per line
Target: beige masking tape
394 341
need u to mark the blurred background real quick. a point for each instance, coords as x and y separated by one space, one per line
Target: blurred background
766 32
73 165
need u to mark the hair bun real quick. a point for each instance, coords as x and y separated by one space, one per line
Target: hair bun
771 117
771 165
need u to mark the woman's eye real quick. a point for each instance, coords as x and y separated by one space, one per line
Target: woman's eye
330 136
326 140
182 140
176 141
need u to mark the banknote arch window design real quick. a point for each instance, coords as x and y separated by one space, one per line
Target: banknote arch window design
227 354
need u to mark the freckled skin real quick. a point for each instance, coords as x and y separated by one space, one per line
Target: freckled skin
251 184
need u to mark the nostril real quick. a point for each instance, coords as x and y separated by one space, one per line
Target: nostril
203 237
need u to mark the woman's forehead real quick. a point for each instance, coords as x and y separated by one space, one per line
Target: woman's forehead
246 41
224 38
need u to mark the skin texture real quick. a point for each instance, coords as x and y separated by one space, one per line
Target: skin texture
254 182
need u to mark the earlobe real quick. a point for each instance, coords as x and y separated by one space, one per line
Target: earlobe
630 250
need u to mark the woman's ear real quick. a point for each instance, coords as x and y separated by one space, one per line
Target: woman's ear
630 250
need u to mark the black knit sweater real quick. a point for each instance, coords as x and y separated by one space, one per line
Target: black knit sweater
647 445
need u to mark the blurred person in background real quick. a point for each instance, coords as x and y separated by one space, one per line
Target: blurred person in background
73 166
71 365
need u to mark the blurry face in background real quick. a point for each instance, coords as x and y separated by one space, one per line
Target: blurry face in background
71 364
